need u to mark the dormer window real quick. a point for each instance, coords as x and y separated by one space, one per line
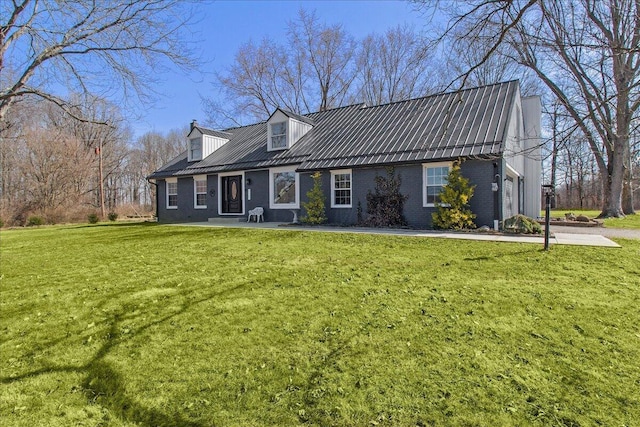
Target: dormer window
284 129
278 135
195 149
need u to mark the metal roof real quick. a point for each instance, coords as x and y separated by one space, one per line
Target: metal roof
212 132
295 116
470 122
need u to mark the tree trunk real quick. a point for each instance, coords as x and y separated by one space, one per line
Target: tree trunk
627 189
612 187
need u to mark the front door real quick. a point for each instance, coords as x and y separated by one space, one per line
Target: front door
232 194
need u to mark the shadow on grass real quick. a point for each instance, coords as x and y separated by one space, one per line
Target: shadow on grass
104 386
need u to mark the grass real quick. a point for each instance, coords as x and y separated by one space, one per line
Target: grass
628 222
151 325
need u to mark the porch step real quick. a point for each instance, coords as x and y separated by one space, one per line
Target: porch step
226 221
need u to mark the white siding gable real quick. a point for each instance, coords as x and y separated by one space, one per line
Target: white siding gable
297 130
532 113
522 153
211 143
514 151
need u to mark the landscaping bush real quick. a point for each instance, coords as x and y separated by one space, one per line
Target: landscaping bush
452 210
60 215
35 220
1 223
315 207
522 224
93 218
385 205
113 216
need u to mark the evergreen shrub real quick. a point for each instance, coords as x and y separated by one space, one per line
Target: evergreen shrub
452 209
315 206
35 220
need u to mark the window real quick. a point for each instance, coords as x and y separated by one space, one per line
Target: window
195 149
341 189
284 189
508 197
279 135
435 178
172 193
200 192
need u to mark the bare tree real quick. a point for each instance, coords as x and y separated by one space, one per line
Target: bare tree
330 53
467 51
55 167
262 78
314 70
148 153
103 134
585 52
394 66
105 47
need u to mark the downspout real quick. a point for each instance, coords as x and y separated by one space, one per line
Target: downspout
496 187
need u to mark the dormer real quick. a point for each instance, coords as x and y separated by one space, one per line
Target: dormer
203 142
284 129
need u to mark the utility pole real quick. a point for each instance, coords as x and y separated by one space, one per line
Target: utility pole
99 150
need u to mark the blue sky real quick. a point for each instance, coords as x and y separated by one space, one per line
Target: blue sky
225 25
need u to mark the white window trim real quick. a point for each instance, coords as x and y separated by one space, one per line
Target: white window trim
201 140
511 171
295 205
244 201
166 187
333 188
195 191
426 166
270 146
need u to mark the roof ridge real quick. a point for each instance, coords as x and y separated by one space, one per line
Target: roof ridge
209 129
453 92
246 126
359 104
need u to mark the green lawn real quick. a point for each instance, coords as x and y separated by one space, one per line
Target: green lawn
151 325
630 221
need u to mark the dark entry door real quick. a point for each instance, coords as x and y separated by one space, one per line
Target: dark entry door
232 194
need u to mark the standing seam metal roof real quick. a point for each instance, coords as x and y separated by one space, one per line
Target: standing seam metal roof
470 122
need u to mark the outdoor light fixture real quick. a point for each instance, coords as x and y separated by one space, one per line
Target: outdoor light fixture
248 181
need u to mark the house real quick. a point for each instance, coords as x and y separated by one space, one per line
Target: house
495 130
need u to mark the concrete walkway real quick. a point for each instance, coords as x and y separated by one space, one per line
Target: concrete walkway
557 238
619 233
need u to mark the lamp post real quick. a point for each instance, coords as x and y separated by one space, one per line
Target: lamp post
548 192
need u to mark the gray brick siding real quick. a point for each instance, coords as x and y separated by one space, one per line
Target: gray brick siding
256 192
